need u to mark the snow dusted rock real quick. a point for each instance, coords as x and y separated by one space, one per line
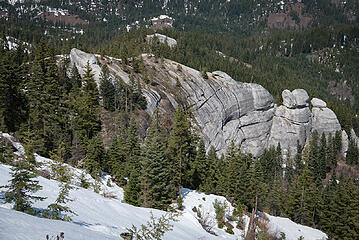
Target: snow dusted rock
324 119
80 59
291 123
163 39
316 102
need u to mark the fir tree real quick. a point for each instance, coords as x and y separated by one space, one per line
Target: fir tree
23 185
155 177
94 155
107 90
58 210
181 148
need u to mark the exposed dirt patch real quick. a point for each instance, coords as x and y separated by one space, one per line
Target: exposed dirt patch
290 18
65 18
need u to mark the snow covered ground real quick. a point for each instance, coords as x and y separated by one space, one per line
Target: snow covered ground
99 217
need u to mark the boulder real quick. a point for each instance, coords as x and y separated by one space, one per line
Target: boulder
324 119
316 102
288 99
301 97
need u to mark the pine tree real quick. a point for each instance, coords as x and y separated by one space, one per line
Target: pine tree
181 148
133 158
200 167
302 203
59 170
12 99
58 210
352 157
107 90
132 189
23 185
94 155
86 121
155 174
75 79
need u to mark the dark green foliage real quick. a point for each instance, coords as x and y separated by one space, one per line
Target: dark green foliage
94 156
23 185
12 99
107 90
157 188
132 189
58 210
303 199
353 152
181 148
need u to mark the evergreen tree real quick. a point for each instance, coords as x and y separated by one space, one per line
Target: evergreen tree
12 100
132 189
94 156
155 175
181 148
58 210
107 90
302 203
23 185
200 166
352 157
75 79
86 121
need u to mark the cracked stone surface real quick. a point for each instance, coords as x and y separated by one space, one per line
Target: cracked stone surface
291 123
227 110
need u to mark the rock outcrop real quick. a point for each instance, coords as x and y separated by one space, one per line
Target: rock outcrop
171 42
292 122
225 110
324 119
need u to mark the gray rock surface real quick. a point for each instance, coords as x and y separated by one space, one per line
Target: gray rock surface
227 110
324 119
316 102
80 59
301 97
163 39
291 123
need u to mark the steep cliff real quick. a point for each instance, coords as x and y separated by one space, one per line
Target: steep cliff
225 110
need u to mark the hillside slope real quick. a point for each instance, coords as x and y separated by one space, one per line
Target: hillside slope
98 217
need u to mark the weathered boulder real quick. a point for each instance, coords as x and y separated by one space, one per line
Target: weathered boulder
301 97
324 119
227 110
316 102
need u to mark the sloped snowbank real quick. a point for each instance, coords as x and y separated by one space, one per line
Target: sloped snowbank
99 217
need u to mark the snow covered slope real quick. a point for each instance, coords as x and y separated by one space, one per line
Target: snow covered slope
99 217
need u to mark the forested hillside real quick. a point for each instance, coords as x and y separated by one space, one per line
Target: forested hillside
58 110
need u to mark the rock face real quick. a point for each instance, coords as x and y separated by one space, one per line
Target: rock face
163 39
226 110
324 119
292 122
80 59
